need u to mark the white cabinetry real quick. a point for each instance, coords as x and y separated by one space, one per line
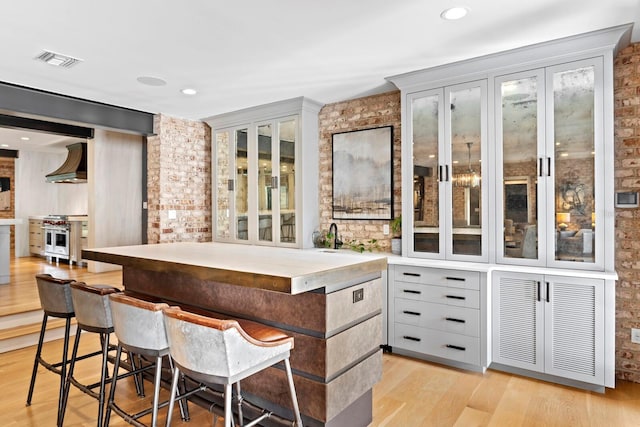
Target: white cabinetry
550 324
437 313
265 174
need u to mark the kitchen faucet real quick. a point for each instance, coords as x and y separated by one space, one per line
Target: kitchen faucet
333 229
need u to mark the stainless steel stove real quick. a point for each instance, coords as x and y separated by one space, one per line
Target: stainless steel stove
56 229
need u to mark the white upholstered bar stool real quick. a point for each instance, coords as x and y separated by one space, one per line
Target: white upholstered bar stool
93 314
215 351
139 327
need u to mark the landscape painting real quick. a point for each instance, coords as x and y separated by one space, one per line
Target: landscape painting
363 174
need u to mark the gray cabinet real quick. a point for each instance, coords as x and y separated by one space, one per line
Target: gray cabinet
437 314
550 324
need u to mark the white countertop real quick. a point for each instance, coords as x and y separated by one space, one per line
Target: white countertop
10 221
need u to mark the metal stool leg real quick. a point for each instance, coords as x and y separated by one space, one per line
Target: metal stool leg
174 389
36 361
112 391
67 383
228 415
103 377
292 390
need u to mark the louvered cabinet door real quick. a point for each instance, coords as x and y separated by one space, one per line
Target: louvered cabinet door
518 320
574 324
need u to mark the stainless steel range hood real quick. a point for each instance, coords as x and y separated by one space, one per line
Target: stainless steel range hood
74 168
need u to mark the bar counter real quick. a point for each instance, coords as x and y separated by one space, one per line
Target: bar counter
330 302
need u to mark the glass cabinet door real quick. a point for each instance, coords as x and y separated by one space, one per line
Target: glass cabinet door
265 183
286 193
574 101
223 185
466 137
241 187
426 117
520 134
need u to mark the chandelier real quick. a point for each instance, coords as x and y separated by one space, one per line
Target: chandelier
469 178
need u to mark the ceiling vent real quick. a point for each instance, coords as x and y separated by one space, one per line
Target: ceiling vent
57 59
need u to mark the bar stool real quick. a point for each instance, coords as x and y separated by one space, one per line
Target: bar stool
139 327
55 300
215 351
93 314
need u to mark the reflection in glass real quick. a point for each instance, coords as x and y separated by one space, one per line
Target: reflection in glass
466 131
424 112
574 146
265 202
242 198
287 132
520 157
223 226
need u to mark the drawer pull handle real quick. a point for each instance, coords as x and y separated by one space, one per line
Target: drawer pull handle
413 313
409 291
407 337
456 297
411 274
453 319
456 347
458 279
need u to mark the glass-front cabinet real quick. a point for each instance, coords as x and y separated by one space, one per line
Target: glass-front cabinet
259 192
448 131
550 157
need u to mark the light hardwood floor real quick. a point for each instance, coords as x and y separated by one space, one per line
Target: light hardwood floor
411 393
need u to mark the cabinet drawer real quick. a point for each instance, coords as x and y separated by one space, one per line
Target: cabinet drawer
438 294
465 321
447 345
438 277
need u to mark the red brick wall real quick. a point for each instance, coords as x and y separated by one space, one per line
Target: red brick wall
357 114
627 140
179 179
7 170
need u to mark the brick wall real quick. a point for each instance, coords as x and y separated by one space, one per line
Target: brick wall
179 179
7 170
627 170
358 114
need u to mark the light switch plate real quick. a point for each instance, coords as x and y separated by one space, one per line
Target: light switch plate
385 229
635 335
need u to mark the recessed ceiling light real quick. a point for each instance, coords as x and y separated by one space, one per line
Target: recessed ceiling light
25 138
4 145
57 59
151 81
189 91
454 13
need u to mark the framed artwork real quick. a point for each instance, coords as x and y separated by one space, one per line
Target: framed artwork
363 174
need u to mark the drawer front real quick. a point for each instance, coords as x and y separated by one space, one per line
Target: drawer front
465 321
438 277
450 346
438 294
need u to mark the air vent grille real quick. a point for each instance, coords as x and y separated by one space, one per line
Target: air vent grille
57 59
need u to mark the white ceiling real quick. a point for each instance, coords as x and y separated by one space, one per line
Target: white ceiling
249 52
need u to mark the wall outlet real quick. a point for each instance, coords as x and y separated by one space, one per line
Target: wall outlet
385 229
358 295
635 335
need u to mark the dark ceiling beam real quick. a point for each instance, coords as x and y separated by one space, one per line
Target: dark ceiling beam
24 101
15 122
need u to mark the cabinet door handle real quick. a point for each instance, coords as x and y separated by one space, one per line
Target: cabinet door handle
453 319
446 172
411 274
458 279
407 337
413 313
538 297
548 297
440 173
456 297
411 291
540 167
456 347
548 166
230 184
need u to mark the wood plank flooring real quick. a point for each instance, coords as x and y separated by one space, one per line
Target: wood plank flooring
411 393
